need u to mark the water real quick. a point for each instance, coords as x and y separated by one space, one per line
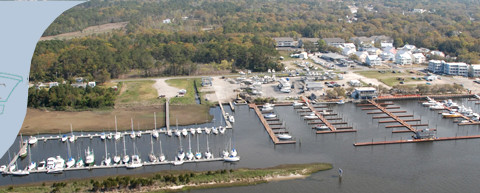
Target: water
446 166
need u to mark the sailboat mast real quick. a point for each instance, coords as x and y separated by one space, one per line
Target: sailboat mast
189 144
198 145
208 148
161 152
124 150
105 142
151 142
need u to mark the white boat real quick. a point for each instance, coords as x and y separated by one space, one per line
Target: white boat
161 157
139 133
232 155
110 136
32 140
177 162
169 132
41 165
310 116
208 154
107 160
225 153
296 104
429 103
208 130
181 153
178 133
51 169
231 118
270 116
64 138
341 102
184 132
155 134
233 152
135 163
189 153
231 158
268 105
32 164
284 136
221 129
437 106
103 136
72 137
132 134
321 127
58 166
23 147
89 157
3 168
198 154
193 131
215 130
117 134
199 130
79 163
264 108
20 173
70 162
125 158
117 159
152 156
325 112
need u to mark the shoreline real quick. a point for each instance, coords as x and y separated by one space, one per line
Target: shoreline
174 181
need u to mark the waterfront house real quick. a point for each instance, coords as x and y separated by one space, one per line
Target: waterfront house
364 93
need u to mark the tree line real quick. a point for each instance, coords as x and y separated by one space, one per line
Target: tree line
67 97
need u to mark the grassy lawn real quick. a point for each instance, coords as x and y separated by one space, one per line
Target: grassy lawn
187 84
138 92
389 78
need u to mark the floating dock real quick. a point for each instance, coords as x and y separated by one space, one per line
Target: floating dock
416 140
324 120
229 125
268 128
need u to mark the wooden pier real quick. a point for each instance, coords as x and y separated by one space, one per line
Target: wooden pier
167 114
268 128
395 117
416 140
324 120
227 122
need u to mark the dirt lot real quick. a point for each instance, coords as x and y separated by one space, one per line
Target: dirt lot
41 121
87 31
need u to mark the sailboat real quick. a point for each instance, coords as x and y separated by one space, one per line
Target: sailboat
169 132
32 140
221 130
199 130
132 135
107 161
103 136
136 161
155 132
139 132
184 132
152 156
116 158
215 130
189 153
64 138
23 147
181 153
232 155
41 165
208 154
161 158
109 136
207 130
72 137
19 172
198 154
193 131
71 161
32 165
117 134
125 158
89 157
79 163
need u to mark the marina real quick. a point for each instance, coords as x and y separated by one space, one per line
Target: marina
266 125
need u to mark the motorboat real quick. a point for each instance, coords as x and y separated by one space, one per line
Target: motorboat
325 112
297 104
139 133
109 136
429 103
193 131
265 108
41 165
270 116
310 116
284 136
55 165
451 114
177 162
20 173
89 157
231 158
221 129
340 102
215 130
135 163
32 140
184 132
321 127
32 166
437 106
199 130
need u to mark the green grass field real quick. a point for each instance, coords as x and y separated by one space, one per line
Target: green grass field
389 78
138 92
187 84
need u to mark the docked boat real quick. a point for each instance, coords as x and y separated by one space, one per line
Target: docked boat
64 138
132 134
208 130
117 134
72 137
135 163
284 136
178 133
231 158
23 148
193 131
231 118
57 166
89 157
103 136
161 157
152 156
169 132
221 129
32 164
310 116
70 162
297 104
177 162
3 168
199 130
321 127
181 153
215 130
451 114
208 154
107 160
198 154
437 106
139 133
155 134
116 159
79 163
270 116
429 103
20 173
184 132
189 153
110 136
340 102
125 158
32 140
266 109
41 165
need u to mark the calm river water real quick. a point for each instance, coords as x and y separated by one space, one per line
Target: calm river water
446 166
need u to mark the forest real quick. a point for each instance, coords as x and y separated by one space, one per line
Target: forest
66 97
239 33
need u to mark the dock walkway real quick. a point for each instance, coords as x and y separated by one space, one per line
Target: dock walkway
393 116
324 120
267 127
